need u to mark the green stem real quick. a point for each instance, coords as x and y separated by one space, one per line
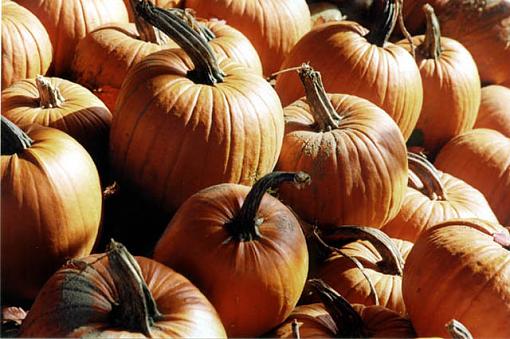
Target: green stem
431 46
147 32
321 108
14 140
49 94
385 13
244 226
207 70
428 175
457 330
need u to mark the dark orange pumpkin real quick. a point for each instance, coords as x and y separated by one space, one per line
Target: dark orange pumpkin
494 110
114 295
254 245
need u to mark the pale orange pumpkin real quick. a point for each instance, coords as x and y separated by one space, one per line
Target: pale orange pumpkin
494 110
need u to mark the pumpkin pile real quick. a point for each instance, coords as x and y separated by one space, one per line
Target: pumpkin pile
267 168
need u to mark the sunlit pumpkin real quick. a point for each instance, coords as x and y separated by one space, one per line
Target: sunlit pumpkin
494 110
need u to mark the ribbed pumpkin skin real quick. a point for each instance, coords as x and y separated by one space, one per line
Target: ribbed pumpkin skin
349 64
254 285
26 46
82 115
419 212
68 21
171 137
64 310
51 210
481 158
451 92
494 110
272 26
456 271
359 171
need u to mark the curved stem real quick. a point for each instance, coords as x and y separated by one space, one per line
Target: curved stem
403 28
431 46
136 309
348 322
392 261
321 108
207 70
295 329
457 330
385 13
146 31
14 140
429 176
49 95
244 226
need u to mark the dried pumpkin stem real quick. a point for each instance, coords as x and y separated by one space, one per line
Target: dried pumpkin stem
295 329
457 330
136 309
348 322
428 175
146 31
244 226
431 46
385 13
14 140
207 70
49 94
323 111
403 28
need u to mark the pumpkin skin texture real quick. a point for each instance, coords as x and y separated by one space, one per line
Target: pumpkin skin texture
474 287
77 303
272 26
26 46
68 21
481 158
387 76
494 110
266 273
51 210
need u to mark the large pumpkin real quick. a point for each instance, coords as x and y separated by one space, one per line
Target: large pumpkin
355 61
481 158
26 46
354 152
68 21
51 206
272 26
244 249
185 123
114 295
494 110
460 270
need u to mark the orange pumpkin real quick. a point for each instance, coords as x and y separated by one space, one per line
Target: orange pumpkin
494 110
26 46
51 206
358 62
272 26
322 12
115 295
255 246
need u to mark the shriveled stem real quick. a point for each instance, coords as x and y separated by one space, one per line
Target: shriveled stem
431 46
49 94
146 32
428 175
403 29
14 140
386 14
457 330
295 329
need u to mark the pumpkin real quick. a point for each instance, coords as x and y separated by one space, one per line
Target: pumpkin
494 110
68 21
451 86
26 46
336 318
272 26
116 295
355 61
253 242
322 12
459 269
438 197
64 105
354 152
183 123
481 158
51 206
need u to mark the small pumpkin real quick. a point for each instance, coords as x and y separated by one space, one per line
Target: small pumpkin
322 12
494 110
116 295
51 206
253 242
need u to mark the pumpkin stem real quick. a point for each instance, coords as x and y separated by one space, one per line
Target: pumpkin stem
457 330
323 111
385 13
207 70
49 95
392 261
348 322
14 140
431 46
136 309
428 175
147 32
244 226
188 15
403 28
295 329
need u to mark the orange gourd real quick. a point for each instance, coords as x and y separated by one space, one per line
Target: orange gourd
494 110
